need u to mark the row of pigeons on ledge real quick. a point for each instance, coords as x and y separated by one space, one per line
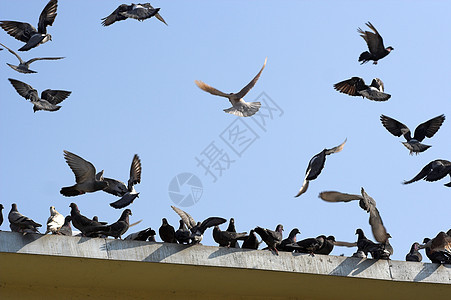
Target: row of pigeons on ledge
438 249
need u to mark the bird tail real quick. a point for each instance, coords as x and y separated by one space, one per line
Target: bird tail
364 57
448 184
245 110
416 147
70 191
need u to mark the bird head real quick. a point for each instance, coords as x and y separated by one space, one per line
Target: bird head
128 212
1 207
359 231
389 48
14 206
74 206
165 222
49 36
331 238
279 228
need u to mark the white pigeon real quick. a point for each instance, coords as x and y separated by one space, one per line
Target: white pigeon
55 221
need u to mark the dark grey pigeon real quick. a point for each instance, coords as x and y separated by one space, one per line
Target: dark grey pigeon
24 66
414 254
310 245
27 33
21 223
82 223
138 11
433 171
426 129
327 246
225 238
285 245
66 229
182 235
251 242
85 176
142 235
356 87
375 44
116 229
231 228
270 237
127 193
49 98
167 232
378 251
436 256
197 229
316 165
1 214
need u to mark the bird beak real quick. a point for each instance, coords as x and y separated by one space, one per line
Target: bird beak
422 246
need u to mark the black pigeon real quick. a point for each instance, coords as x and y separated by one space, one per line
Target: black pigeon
66 229
138 11
433 171
167 232
375 45
310 245
316 165
24 66
377 251
231 228
182 235
270 237
1 214
21 223
426 129
116 229
437 257
225 238
49 98
142 235
285 245
197 229
356 87
85 176
27 33
251 242
414 254
82 223
327 246
127 192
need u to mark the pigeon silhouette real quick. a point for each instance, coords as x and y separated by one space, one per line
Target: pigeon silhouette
433 171
375 44
138 11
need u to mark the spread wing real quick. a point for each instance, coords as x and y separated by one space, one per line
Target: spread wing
332 196
210 89
186 218
20 31
47 16
14 53
83 169
135 172
210 222
24 89
115 15
157 15
350 86
377 226
336 149
43 58
55 96
428 128
251 84
373 40
395 127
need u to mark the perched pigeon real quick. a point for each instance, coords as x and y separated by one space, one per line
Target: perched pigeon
231 228
316 165
142 235
49 98
55 221
433 171
197 229
24 66
240 107
27 33
285 245
378 251
426 129
116 229
436 255
66 229
118 188
251 242
356 87
225 238
167 232
182 235
375 45
82 223
328 245
21 223
310 245
359 254
1 214
271 238
414 254
138 11
85 177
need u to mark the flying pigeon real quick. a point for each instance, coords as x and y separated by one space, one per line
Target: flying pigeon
138 11
316 165
225 238
285 245
356 87
251 242
27 33
116 229
55 221
197 229
66 229
85 177
375 45
240 107
1 214
118 188
142 235
49 98
167 232
426 129
414 254
270 237
182 235
24 66
21 223
433 171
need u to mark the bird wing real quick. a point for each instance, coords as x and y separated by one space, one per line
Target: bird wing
12 52
345 244
20 31
423 173
305 184
332 196
366 202
140 13
251 84
373 40
186 218
442 242
115 187
83 169
395 127
43 58
210 89
135 172
47 16
210 222
55 96
336 149
157 15
115 15
377 226
24 89
349 86
428 128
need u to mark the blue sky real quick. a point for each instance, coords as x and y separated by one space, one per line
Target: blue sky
133 92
